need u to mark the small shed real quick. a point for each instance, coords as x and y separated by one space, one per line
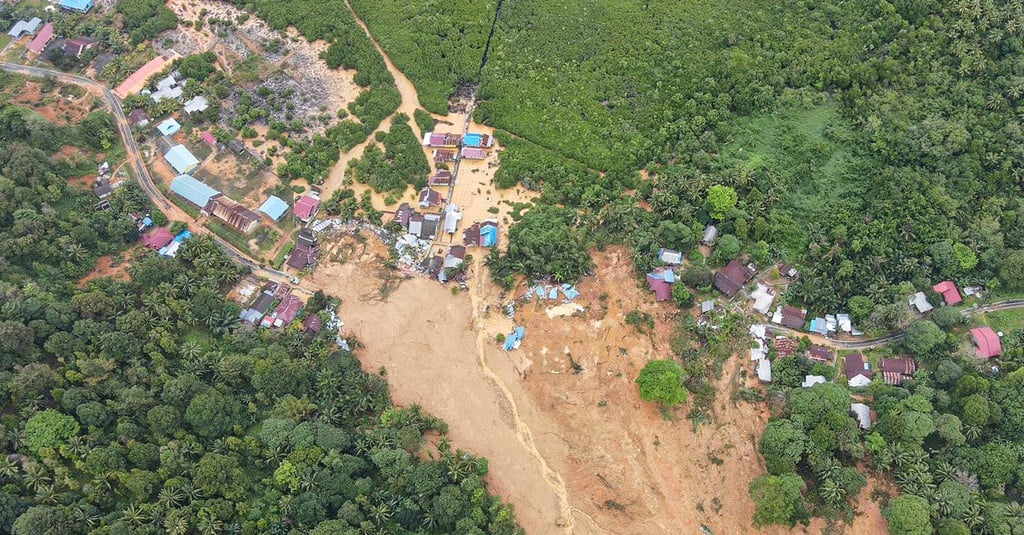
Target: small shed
169 127
274 207
920 302
710 234
208 138
670 257
764 370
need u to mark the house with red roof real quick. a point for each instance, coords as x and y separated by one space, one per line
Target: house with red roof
137 81
986 342
43 38
661 288
285 312
306 207
949 292
208 138
158 239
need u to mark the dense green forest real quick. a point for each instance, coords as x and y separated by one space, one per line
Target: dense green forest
401 163
437 45
865 139
951 438
144 406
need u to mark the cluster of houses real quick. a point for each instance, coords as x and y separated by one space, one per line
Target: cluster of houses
164 242
450 147
306 207
103 187
276 306
43 35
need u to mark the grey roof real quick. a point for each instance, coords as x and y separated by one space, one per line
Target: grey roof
197 104
181 159
710 233
22 27
429 228
195 191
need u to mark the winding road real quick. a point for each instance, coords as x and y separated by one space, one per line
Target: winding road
138 164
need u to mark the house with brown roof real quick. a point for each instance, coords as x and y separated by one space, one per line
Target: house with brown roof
306 251
790 316
858 371
403 214
78 46
442 177
788 271
232 213
312 324
445 156
820 354
897 370
731 279
785 347
428 198
285 312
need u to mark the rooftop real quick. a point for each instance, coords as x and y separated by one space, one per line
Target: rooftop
274 207
193 190
987 342
949 292
42 39
169 127
181 159
137 81
306 207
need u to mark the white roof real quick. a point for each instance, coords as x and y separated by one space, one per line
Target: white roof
763 298
669 256
863 413
758 351
845 325
858 381
764 371
197 104
758 330
710 233
812 380
707 306
920 302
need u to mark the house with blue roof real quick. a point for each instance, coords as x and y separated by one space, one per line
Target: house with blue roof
193 190
78 6
169 127
274 207
181 159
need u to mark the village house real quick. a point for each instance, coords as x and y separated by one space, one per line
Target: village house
23 28
670 257
788 271
258 308
442 177
138 117
192 190
306 252
660 282
949 292
811 380
445 156
863 414
441 140
78 46
43 38
731 279
790 316
312 326
897 370
482 234
482 141
920 302
274 207
986 342
198 104
403 214
168 127
77 6
158 238
452 216
285 312
472 153
208 138
429 198
168 88
456 254
858 371
710 234
306 207
181 159
785 347
820 354
241 218
137 81
763 296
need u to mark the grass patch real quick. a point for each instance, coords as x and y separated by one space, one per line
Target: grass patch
228 234
1005 320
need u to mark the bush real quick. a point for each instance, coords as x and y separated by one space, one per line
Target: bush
662 381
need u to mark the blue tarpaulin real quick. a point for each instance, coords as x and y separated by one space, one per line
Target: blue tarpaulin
489 236
183 236
515 338
540 291
670 276
553 294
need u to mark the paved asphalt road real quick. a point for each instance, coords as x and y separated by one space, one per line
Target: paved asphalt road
135 155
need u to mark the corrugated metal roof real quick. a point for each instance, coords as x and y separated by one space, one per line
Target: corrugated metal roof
274 206
77 5
169 127
195 191
45 36
181 159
